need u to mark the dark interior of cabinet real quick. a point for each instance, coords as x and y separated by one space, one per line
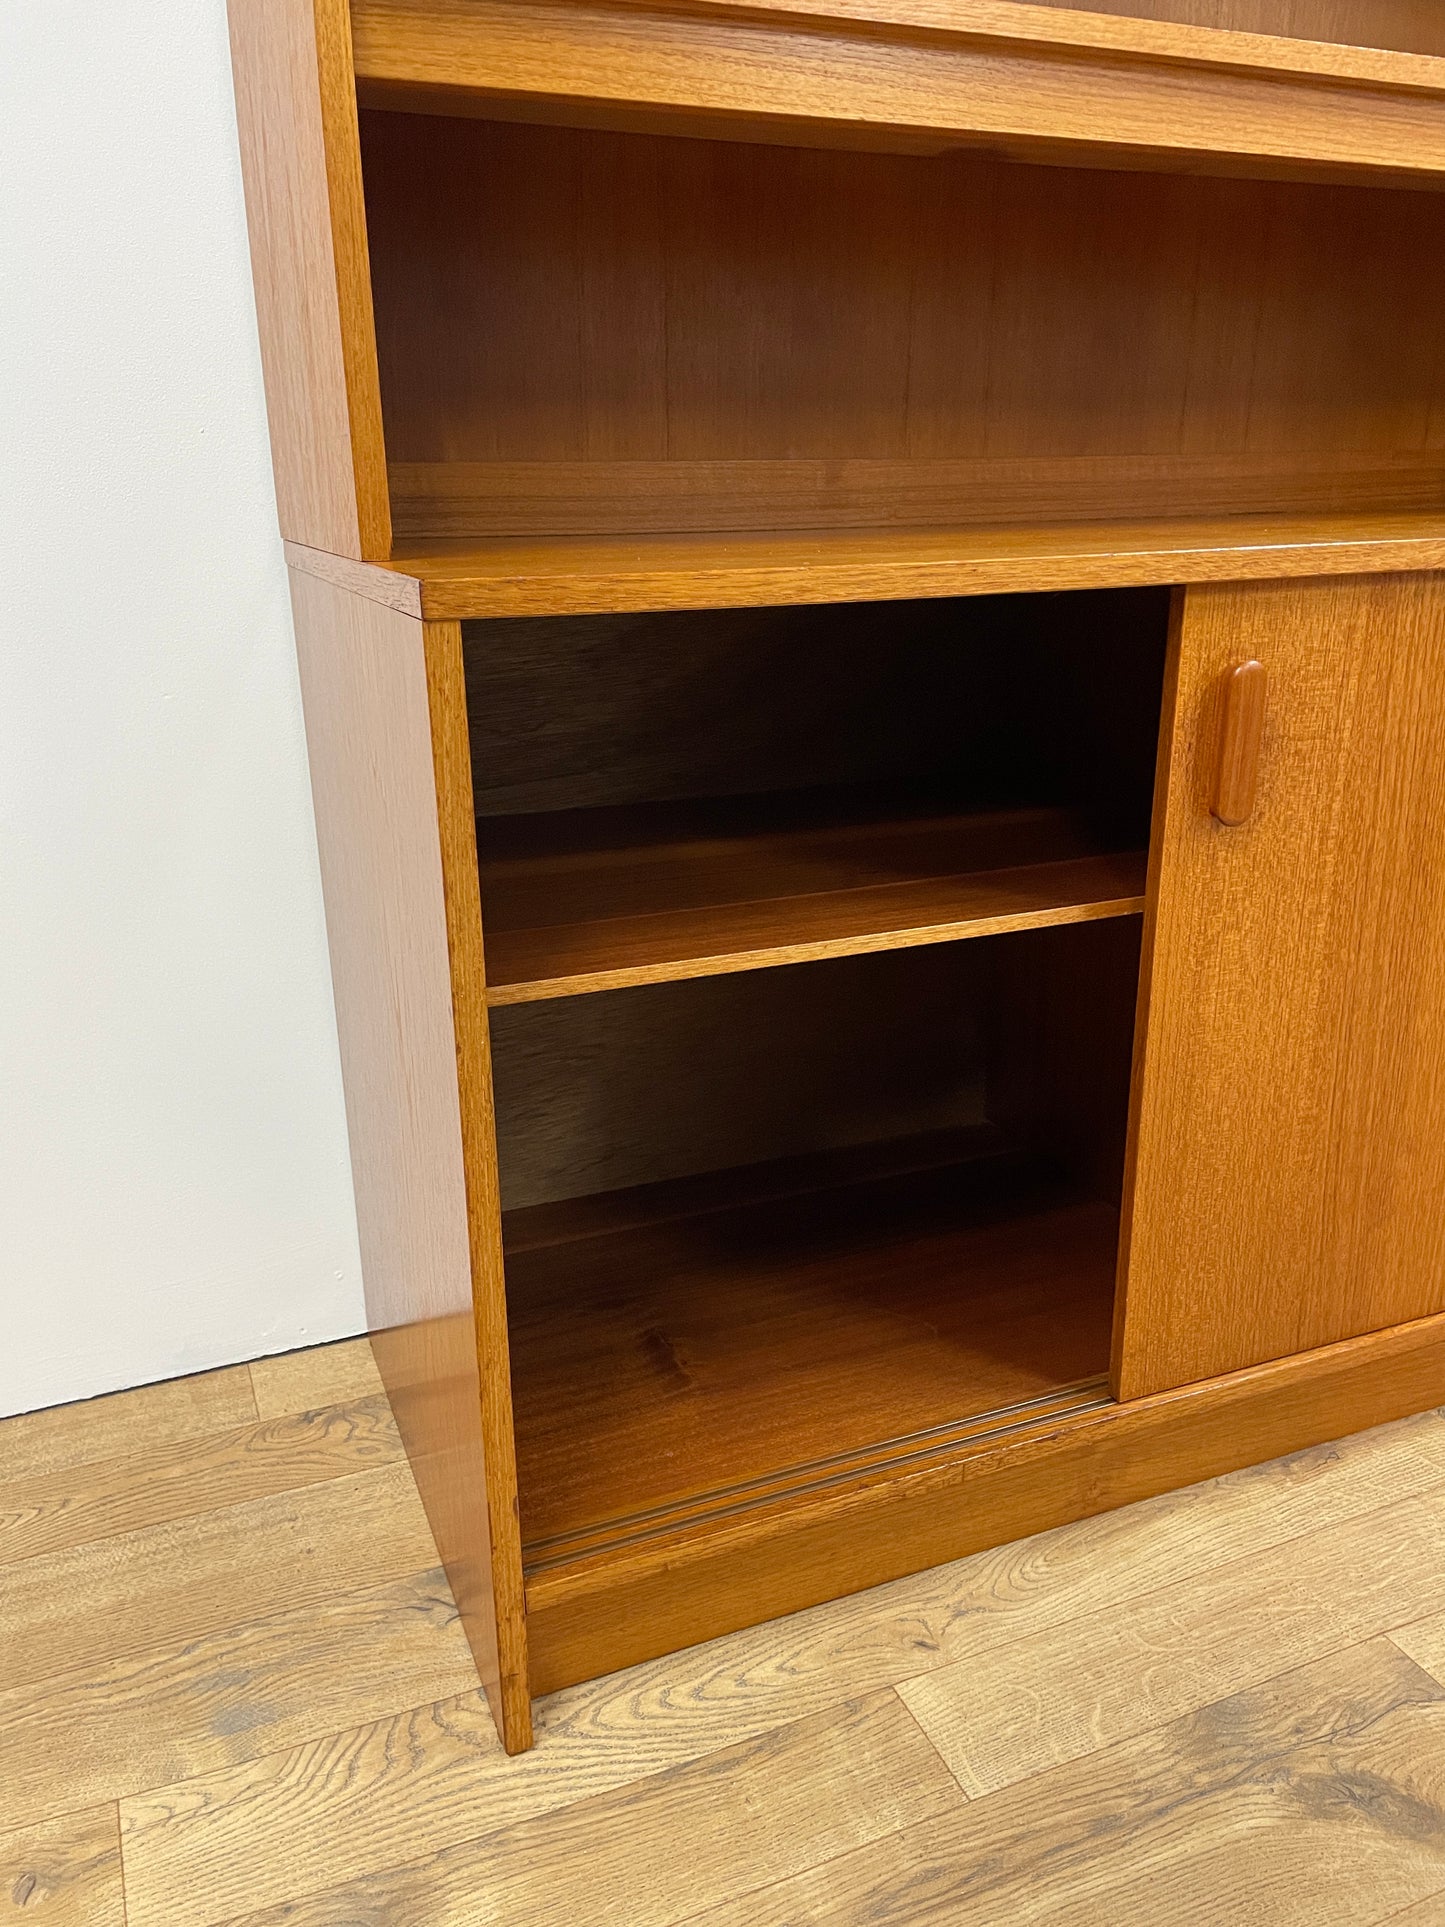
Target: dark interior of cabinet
772 1222
584 332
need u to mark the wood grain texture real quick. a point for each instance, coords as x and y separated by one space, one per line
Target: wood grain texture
1236 780
387 586
1316 1797
1269 41
275 1797
692 336
1425 1913
696 1586
578 575
588 901
80 1505
1424 1641
300 161
389 881
353 1803
1058 1697
303 1381
456 499
35 1443
1291 1104
456 821
836 713
1410 26
1011 78
186 1577
615 1859
64 1872
669 1361
271 1676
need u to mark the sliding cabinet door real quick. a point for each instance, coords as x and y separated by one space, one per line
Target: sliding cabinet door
1288 1138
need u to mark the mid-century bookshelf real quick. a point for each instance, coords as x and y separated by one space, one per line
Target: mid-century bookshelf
875 682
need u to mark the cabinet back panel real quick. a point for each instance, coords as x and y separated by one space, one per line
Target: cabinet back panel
1046 700
590 331
1410 26
1032 1033
634 1086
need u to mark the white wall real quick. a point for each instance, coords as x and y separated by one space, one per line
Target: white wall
174 1184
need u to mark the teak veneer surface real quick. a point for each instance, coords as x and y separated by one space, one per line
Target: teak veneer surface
580 575
915 74
587 900
1290 1122
676 1342
1410 26
386 731
301 164
693 337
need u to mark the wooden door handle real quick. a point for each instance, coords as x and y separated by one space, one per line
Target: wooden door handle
1236 779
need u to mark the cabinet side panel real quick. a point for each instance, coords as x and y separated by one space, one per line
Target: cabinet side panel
300 162
1289 1139
456 825
364 687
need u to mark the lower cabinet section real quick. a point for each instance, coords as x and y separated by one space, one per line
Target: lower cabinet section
821 1107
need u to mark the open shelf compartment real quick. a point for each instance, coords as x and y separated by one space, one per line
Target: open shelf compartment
678 795
802 1189
922 1257
638 371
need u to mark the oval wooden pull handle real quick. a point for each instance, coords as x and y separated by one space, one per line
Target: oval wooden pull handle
1237 778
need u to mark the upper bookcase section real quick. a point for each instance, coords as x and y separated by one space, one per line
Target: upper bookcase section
575 307
1033 82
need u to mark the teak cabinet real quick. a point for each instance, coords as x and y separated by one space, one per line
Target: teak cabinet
870 593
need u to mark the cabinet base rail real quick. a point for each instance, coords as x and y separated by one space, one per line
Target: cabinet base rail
661 1594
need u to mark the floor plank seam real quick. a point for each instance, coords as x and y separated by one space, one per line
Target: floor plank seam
933 1745
1437 1671
120 1863
1403 1913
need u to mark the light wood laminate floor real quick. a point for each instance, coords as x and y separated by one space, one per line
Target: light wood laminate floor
233 1689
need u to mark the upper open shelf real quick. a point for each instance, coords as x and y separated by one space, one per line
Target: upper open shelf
625 371
917 76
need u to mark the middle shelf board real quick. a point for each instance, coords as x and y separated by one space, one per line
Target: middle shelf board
601 899
582 575
695 1349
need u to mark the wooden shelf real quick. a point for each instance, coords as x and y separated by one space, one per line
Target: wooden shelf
1031 82
689 1351
588 575
585 900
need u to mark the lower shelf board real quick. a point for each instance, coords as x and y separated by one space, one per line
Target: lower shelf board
692 1351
